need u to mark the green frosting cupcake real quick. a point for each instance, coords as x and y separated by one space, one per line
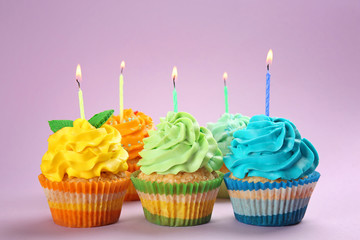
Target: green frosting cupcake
222 131
179 145
225 127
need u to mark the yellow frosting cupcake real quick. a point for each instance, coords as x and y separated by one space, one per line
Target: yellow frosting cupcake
83 151
83 175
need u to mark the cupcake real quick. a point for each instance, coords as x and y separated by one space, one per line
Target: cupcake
83 172
223 131
178 182
272 172
133 128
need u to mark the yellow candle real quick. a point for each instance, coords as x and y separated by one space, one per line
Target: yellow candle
121 90
81 103
81 100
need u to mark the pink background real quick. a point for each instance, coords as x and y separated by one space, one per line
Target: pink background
315 84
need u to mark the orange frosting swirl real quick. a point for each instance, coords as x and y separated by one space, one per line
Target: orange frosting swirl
133 129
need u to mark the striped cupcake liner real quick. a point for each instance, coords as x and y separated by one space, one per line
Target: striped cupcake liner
223 192
131 194
85 204
270 204
177 205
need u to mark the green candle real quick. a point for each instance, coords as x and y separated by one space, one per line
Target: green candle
175 102
226 93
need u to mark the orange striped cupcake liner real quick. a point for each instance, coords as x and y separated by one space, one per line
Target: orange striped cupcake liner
177 204
85 204
131 194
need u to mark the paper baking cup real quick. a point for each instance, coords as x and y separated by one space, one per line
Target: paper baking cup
223 192
270 204
177 205
131 194
85 204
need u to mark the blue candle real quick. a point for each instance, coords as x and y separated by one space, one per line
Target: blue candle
267 99
268 75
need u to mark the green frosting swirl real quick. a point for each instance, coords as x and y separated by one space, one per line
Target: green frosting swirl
225 127
179 145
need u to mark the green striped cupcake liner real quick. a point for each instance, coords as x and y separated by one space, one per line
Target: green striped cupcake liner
177 204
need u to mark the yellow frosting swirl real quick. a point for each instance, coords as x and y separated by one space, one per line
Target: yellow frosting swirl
83 151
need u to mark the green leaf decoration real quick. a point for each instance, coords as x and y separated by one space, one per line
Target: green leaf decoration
99 119
56 125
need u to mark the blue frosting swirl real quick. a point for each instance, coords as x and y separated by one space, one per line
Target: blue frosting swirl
271 148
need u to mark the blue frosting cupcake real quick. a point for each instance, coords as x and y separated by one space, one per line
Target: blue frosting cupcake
272 172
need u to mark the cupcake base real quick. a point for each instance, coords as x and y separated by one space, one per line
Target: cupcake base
270 204
131 194
85 204
223 192
178 204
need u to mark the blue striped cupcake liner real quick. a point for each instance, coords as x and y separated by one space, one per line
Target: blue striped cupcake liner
270 204
223 192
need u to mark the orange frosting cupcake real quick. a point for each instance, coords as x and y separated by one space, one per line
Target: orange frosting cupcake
133 128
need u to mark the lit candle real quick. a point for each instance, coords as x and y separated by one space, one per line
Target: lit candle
268 75
225 76
121 90
81 100
174 76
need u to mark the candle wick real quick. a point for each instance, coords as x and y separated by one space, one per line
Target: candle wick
174 81
121 71
268 67
78 82
224 82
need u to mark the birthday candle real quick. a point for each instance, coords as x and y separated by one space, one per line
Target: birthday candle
81 100
225 76
268 75
121 90
175 102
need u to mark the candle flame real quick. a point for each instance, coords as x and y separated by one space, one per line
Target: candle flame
269 57
174 73
122 66
78 73
225 76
